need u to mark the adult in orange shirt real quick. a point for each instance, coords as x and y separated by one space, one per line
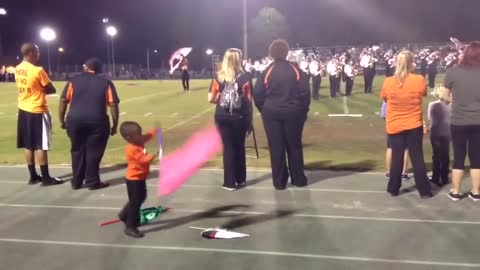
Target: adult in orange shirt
404 93
34 121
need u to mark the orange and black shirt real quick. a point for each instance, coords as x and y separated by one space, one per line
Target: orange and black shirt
244 82
31 82
404 103
282 88
89 95
138 160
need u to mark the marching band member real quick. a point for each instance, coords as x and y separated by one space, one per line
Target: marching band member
432 61
334 75
451 60
185 75
424 62
368 62
315 69
350 73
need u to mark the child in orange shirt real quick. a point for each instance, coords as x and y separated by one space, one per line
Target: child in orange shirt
137 172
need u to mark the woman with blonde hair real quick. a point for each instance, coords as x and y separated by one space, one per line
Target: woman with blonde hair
231 91
403 94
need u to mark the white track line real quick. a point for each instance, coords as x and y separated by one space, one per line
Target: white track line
255 213
238 251
148 114
123 113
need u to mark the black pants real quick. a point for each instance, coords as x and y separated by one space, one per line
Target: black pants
284 135
466 140
440 158
349 87
89 141
186 82
431 79
137 193
233 133
368 78
413 141
316 83
334 85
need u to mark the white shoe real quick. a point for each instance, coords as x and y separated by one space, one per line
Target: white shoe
229 189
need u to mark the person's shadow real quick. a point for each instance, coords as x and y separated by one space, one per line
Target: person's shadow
216 212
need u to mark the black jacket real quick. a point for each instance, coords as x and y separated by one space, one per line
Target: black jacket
282 88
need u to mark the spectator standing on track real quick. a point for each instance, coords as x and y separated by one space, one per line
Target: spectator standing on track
439 117
87 122
34 121
404 93
464 81
231 92
282 96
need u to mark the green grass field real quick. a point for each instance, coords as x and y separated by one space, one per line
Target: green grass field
329 142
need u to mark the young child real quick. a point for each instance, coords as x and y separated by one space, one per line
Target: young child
388 154
439 118
137 172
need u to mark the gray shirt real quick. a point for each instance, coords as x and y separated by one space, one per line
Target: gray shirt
439 117
465 86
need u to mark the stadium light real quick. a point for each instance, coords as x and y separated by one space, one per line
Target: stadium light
112 32
105 20
155 51
48 35
3 12
209 52
61 50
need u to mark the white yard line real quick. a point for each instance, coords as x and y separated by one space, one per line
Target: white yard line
148 114
345 105
123 113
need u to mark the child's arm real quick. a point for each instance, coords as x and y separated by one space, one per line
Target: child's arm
149 135
139 156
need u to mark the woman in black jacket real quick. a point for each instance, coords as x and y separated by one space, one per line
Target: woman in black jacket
231 92
282 95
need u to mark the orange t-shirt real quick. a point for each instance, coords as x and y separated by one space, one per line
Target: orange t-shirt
31 81
404 104
138 160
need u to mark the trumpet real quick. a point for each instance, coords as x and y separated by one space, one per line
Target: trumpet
450 59
432 57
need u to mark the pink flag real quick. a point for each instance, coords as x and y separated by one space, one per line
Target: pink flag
179 55
177 167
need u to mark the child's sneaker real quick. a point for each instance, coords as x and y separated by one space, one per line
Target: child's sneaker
454 197
474 197
134 232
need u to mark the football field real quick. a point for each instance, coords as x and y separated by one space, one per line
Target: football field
330 142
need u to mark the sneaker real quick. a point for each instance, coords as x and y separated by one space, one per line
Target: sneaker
35 180
426 196
99 185
52 181
229 188
454 197
405 177
474 197
133 232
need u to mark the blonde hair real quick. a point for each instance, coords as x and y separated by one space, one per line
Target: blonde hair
441 92
231 66
405 66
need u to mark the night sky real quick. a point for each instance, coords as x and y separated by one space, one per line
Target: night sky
168 24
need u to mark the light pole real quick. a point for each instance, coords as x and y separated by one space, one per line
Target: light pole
245 30
48 35
105 21
3 12
60 52
112 32
209 52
